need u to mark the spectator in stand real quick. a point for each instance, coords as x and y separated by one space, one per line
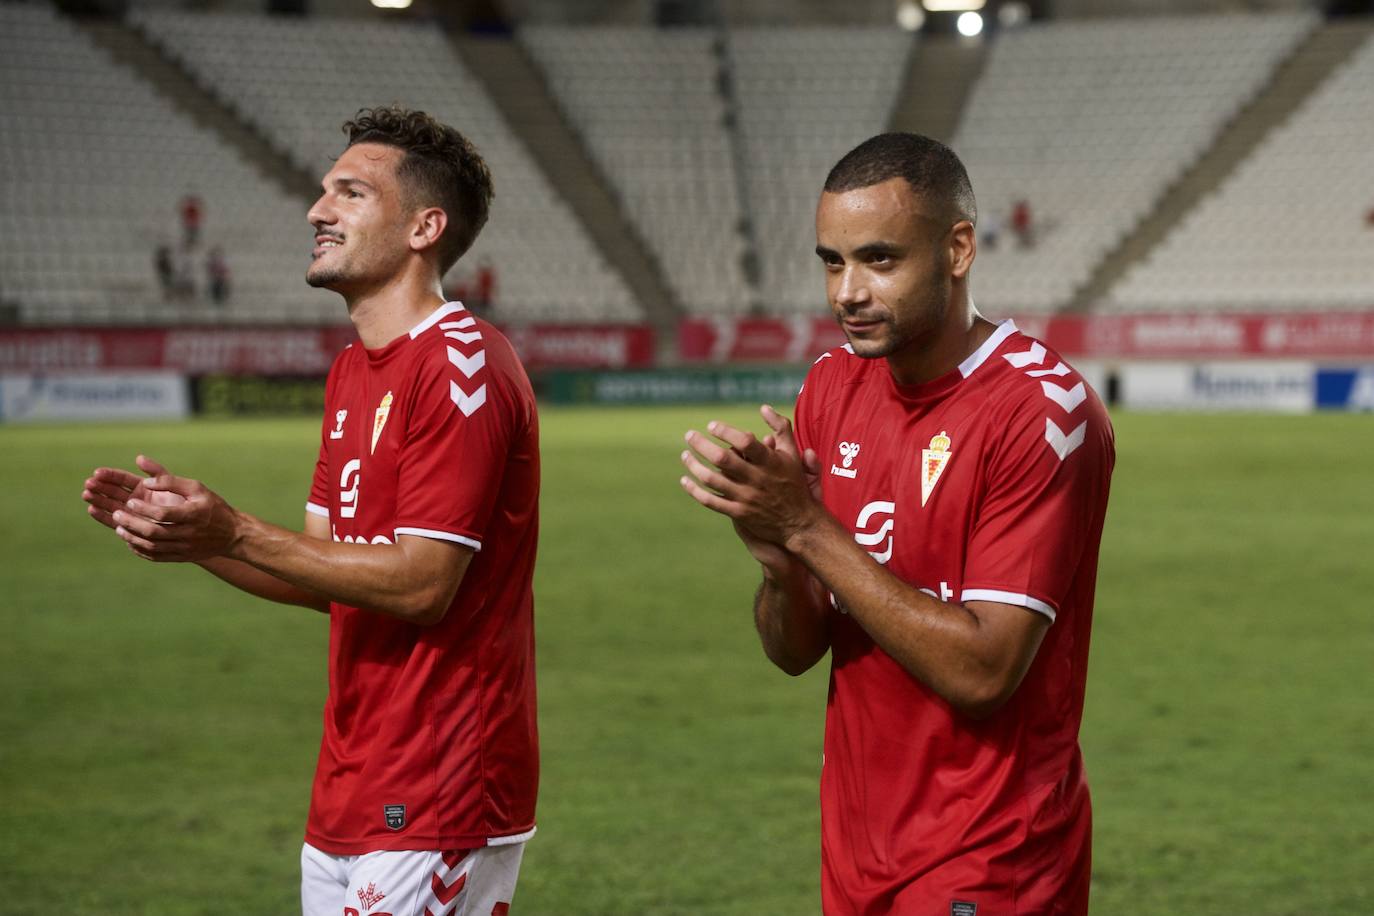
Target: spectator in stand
184 275
1022 224
217 276
1369 218
165 269
192 212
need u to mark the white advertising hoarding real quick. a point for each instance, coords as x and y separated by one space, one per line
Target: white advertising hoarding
93 396
1285 387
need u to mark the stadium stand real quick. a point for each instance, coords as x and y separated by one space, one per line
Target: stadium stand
297 80
93 163
806 97
1090 121
1284 231
647 106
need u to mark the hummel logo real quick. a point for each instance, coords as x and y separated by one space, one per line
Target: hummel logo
848 451
369 896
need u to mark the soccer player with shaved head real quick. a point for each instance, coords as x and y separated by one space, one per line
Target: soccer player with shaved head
419 542
932 520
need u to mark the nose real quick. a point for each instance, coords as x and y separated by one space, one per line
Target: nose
319 213
849 288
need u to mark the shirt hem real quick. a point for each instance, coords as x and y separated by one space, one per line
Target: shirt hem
416 843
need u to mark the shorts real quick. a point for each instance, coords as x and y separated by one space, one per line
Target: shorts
461 882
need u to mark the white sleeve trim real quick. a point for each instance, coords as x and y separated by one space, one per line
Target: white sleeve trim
1026 601
512 839
440 536
315 509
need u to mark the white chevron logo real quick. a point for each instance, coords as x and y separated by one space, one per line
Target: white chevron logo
1032 357
467 364
465 322
1064 445
464 336
1067 398
1058 370
469 403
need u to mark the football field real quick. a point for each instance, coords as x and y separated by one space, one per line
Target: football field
158 731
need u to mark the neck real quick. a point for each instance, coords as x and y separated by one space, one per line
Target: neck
963 332
385 312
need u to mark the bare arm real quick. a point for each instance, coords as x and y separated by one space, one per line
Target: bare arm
790 616
414 580
109 490
256 582
973 655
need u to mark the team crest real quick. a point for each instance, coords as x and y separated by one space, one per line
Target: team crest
933 462
383 411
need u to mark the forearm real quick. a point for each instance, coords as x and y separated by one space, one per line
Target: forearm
790 616
261 584
377 577
942 645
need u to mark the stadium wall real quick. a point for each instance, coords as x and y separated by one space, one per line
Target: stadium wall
1291 362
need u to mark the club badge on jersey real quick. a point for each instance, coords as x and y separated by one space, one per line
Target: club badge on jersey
933 462
378 424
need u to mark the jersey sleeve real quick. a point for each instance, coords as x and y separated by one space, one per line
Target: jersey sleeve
453 458
1045 498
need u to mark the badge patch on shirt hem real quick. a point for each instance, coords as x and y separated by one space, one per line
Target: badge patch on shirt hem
395 816
962 908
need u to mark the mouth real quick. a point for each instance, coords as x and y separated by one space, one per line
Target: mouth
855 325
325 243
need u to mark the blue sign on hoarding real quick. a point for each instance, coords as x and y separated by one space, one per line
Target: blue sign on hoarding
1346 389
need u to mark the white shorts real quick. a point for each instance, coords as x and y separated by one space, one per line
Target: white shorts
464 882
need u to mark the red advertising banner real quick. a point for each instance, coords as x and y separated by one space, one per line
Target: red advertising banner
292 351
577 346
1308 335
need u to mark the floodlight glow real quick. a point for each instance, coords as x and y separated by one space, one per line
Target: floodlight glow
910 16
391 4
970 25
952 6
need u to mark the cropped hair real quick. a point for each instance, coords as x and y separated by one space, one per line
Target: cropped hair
931 168
441 169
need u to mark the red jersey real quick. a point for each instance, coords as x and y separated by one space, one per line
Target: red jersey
987 484
430 739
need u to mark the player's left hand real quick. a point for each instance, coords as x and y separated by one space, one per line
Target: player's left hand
763 488
175 519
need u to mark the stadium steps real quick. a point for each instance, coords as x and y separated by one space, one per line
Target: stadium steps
519 90
1292 82
131 48
941 72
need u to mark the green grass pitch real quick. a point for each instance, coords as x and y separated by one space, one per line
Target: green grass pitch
158 731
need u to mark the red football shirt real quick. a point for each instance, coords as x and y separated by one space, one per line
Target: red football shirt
429 732
989 483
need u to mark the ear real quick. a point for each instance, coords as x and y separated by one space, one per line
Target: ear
963 248
427 226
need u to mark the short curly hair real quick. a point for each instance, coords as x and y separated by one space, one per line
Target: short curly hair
441 169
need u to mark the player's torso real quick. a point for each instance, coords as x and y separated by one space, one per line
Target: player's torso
904 476
369 406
